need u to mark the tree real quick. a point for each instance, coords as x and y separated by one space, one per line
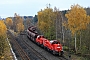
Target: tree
3 31
46 19
20 27
3 28
29 21
77 20
18 21
59 18
9 22
35 19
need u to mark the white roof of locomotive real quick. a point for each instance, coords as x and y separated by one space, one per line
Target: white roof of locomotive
52 41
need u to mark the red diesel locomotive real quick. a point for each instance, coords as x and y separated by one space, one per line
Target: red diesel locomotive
53 46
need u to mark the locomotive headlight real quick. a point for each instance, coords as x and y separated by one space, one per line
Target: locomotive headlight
58 47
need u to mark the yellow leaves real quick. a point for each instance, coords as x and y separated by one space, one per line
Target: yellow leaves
45 19
3 28
20 27
9 22
40 13
18 23
2 57
77 18
3 31
65 24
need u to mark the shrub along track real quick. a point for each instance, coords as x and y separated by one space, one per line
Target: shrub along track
22 54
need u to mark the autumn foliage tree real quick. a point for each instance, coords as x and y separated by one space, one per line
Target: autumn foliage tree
77 20
18 23
46 22
20 27
9 22
3 31
3 28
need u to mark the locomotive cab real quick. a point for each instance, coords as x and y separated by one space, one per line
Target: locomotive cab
54 42
57 47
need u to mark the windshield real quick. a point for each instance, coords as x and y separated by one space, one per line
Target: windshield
55 42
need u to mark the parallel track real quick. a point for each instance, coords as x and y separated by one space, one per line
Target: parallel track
38 54
41 57
63 58
21 52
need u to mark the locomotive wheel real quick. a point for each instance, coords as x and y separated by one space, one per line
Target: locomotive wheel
48 49
45 48
42 45
38 43
53 52
61 53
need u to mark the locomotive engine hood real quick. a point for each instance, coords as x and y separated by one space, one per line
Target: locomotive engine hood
56 45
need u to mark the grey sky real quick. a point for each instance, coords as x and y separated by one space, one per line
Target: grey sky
31 7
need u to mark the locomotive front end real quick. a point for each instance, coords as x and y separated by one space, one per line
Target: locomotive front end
57 47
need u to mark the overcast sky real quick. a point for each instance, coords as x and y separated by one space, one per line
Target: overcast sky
31 7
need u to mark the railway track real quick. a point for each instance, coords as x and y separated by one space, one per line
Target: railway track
63 58
41 57
21 52
37 53
29 50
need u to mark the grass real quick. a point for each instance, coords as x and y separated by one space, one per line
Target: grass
68 53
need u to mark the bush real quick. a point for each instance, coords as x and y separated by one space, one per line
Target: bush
65 48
